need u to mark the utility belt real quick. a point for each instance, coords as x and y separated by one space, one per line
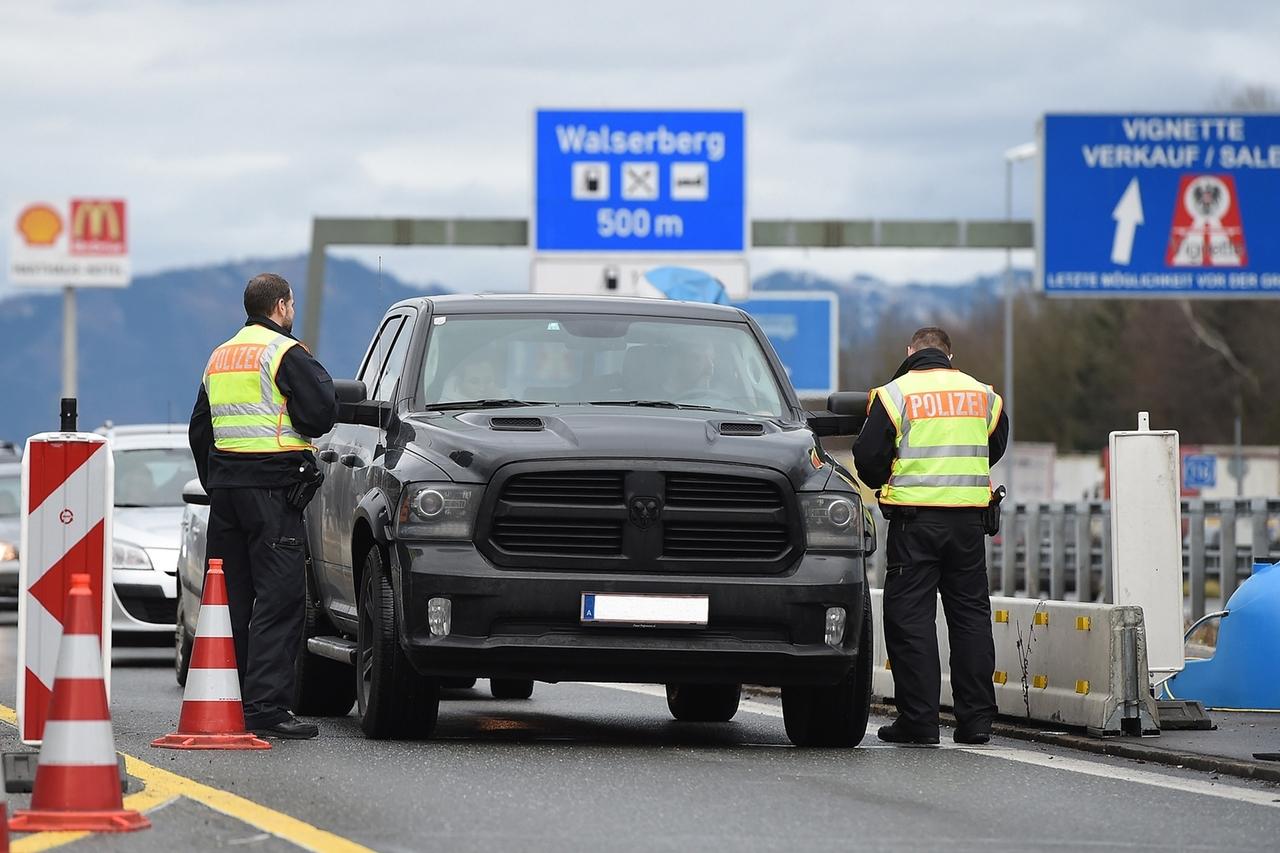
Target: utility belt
988 515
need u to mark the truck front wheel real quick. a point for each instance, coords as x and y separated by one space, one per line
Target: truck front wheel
837 715
394 700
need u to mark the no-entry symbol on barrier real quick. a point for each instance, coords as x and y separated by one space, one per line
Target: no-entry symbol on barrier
1207 228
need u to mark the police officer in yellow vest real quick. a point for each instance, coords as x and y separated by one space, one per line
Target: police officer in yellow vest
931 436
261 396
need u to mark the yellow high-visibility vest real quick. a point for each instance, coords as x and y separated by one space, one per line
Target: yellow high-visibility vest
250 414
943 420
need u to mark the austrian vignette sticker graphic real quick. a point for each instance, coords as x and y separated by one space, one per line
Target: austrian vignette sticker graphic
97 227
39 225
1207 229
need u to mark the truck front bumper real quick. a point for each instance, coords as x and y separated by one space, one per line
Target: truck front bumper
761 629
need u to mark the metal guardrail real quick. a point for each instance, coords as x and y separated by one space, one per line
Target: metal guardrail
1221 541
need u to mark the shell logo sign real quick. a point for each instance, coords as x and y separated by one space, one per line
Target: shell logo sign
74 242
40 225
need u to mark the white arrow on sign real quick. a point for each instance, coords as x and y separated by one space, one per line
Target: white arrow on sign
1128 216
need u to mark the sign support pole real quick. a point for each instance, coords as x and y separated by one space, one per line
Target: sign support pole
69 342
1011 473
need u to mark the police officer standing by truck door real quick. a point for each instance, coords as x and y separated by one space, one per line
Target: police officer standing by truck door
261 396
928 444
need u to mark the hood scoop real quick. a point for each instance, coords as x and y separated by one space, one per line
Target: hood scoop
512 424
741 428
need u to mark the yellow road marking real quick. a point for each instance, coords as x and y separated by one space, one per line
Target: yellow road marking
162 786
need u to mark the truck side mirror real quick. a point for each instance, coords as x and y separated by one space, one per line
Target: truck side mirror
193 493
350 390
845 415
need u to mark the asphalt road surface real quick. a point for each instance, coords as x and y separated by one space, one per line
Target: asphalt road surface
596 767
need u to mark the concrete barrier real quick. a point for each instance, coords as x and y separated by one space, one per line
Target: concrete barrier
1057 662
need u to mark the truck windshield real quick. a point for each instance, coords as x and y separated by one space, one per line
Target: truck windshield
601 360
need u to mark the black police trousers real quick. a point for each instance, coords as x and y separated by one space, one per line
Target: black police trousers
259 538
929 552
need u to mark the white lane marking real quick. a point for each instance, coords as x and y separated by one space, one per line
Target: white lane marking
1270 799
1142 777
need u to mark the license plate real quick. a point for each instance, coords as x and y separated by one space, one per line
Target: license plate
644 609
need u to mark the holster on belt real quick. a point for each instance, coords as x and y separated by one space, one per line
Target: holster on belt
991 515
309 479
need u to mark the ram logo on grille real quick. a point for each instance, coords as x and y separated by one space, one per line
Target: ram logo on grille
645 511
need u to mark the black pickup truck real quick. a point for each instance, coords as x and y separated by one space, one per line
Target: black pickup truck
540 488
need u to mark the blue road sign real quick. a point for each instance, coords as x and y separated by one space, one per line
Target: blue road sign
804 330
1199 471
639 181
1160 205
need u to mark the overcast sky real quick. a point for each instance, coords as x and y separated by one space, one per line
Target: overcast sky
228 125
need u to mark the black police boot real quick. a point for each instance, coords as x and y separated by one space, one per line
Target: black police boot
290 729
897 732
972 736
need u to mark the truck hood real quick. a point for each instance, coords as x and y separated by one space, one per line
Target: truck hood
466 447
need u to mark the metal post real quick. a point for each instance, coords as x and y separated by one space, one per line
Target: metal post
1084 553
1195 557
1239 451
1227 569
1011 468
68 342
1032 549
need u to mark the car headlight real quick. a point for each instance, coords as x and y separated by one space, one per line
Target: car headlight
832 520
125 555
8 551
438 511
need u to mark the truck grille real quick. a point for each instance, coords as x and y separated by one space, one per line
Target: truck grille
640 521
713 490
721 540
592 538
593 488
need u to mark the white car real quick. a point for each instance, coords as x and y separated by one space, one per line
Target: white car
10 521
153 463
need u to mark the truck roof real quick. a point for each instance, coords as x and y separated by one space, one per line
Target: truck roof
520 303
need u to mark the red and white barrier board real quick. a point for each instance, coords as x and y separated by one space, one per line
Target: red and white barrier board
67 495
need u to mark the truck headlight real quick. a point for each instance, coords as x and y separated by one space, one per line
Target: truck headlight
832 520
8 551
438 511
126 555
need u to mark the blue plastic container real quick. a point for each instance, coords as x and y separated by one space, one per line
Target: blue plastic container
1244 672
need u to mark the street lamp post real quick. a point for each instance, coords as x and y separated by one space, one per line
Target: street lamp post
1021 152
1013 155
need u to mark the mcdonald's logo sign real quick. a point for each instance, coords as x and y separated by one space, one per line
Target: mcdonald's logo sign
98 227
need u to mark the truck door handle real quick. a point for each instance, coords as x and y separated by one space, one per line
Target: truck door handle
351 460
328 455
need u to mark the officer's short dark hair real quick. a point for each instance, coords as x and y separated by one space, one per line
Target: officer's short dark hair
263 292
931 336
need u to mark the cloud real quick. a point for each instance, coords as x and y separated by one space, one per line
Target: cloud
230 124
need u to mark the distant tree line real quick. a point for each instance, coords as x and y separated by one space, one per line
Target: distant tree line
1086 367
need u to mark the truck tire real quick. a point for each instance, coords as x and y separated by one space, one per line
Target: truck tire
703 703
458 683
511 688
393 699
837 715
321 687
182 645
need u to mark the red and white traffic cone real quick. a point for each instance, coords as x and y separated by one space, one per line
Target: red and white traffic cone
212 716
78 780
